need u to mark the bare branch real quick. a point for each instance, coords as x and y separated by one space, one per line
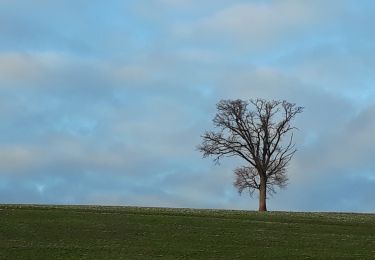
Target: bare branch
257 136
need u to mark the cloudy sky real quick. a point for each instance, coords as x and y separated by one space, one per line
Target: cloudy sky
104 102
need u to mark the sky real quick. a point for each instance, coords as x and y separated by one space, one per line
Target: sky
105 102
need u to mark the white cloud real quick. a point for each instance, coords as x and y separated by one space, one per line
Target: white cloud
16 67
42 69
16 158
175 3
258 24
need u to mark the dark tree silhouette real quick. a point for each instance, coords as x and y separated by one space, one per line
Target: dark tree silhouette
254 130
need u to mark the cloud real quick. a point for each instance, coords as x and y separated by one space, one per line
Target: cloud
355 136
13 158
257 25
336 172
49 70
262 20
336 66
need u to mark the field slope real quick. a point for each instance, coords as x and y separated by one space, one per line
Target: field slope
88 232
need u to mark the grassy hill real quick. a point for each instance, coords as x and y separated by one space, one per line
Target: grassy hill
88 232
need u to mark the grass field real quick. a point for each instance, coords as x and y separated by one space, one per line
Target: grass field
89 232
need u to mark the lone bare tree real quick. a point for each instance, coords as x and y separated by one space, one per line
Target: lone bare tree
255 134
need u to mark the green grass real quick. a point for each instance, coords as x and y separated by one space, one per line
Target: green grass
88 232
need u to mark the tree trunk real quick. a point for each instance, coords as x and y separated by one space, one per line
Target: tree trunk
262 194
